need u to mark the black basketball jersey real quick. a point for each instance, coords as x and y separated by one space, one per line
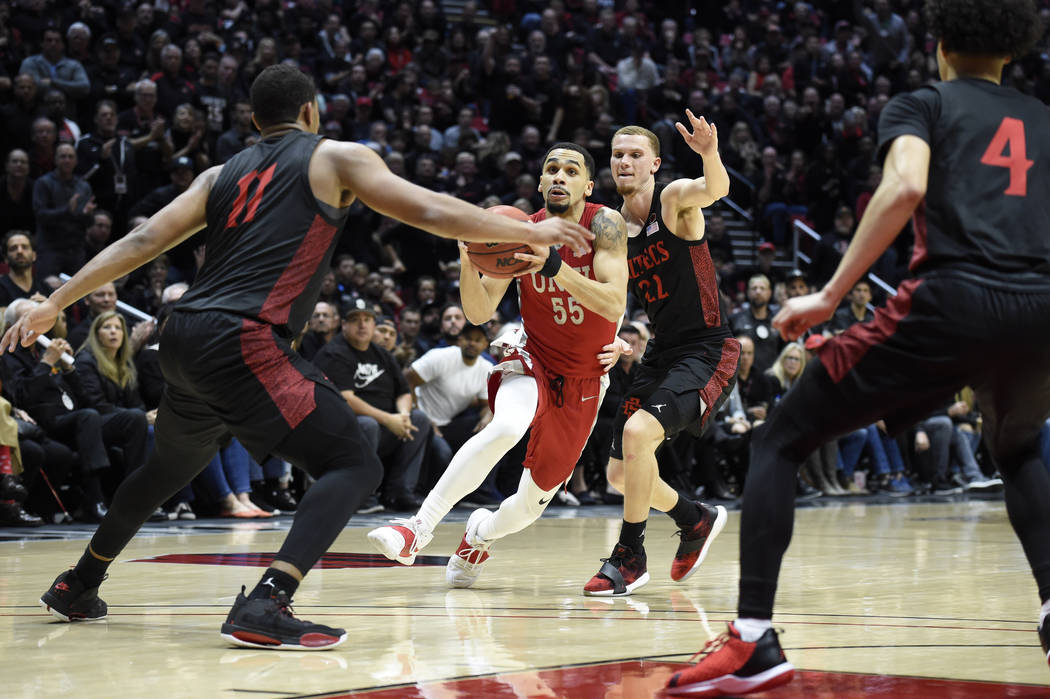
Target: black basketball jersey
675 282
987 206
269 241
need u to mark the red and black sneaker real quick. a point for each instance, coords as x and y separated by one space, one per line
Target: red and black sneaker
732 666
621 573
696 541
67 599
1044 638
268 622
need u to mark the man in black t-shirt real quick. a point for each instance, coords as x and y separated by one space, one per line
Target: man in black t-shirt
971 160
756 321
371 381
857 311
20 282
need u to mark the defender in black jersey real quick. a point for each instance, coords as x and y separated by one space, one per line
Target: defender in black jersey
689 368
971 160
273 214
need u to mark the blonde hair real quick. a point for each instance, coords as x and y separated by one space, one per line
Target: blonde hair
777 369
120 369
654 140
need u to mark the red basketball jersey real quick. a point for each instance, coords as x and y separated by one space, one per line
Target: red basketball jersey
563 335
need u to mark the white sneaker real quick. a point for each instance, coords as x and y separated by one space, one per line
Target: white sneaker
465 566
401 540
983 483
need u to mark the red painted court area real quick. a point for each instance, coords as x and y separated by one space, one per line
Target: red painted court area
636 679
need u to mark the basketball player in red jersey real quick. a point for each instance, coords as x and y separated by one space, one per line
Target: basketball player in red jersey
550 379
689 367
273 215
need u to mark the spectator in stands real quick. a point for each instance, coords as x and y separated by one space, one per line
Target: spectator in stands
51 68
451 388
110 79
857 310
63 203
18 116
832 246
410 347
145 129
42 147
107 160
386 333
99 301
322 327
240 135
755 321
20 282
173 88
16 193
372 383
98 233
68 131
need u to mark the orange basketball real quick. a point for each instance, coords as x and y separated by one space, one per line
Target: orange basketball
497 260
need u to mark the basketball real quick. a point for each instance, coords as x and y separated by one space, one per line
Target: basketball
497 260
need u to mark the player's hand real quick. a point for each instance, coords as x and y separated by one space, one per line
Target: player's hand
803 312
611 352
703 139
27 328
558 231
537 258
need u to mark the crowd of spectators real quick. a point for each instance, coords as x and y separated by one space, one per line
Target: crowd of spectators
110 108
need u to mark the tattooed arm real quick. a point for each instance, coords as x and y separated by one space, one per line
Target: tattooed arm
606 294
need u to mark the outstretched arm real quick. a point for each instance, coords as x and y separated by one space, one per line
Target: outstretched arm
903 186
363 172
164 230
480 295
706 190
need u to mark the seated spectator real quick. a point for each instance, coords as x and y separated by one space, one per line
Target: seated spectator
98 301
452 322
49 390
888 469
16 193
20 282
63 203
322 327
98 234
409 348
386 334
756 321
227 480
240 135
12 491
451 387
821 464
373 385
857 311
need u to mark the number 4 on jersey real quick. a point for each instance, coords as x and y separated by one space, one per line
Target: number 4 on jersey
1010 135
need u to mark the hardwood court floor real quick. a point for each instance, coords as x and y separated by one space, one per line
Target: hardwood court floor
908 600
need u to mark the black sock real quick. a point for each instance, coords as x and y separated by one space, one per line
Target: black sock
90 569
685 513
632 534
272 581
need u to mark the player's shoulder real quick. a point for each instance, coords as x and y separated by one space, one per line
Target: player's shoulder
609 227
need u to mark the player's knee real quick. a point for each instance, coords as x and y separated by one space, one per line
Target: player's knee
503 432
642 433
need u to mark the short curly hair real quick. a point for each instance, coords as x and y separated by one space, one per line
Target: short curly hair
985 27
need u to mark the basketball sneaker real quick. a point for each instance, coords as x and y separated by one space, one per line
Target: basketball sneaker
401 540
1044 638
465 566
621 573
732 666
67 599
695 542
269 622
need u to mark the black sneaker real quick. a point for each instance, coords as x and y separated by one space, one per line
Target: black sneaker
12 489
1044 638
269 623
283 500
67 599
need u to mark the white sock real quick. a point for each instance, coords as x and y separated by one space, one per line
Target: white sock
751 630
515 407
519 510
1043 612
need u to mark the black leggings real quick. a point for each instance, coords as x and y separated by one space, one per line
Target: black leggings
327 444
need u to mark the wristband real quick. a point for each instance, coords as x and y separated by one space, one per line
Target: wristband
553 263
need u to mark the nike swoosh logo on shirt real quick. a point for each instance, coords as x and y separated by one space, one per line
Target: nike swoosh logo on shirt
583 400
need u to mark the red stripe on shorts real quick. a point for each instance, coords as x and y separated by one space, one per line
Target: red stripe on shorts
724 372
291 392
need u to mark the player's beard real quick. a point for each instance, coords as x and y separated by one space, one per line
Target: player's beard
557 209
626 189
